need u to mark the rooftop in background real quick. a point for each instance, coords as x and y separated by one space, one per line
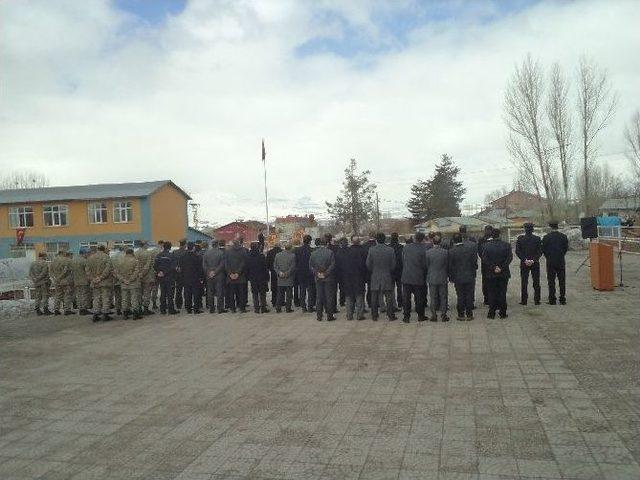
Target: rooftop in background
444 222
85 192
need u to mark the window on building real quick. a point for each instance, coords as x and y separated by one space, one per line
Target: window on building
21 251
20 217
122 212
53 248
56 215
98 212
88 245
123 244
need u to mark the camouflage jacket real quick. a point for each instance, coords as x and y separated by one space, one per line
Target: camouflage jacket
39 273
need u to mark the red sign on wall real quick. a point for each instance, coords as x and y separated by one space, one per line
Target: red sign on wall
20 235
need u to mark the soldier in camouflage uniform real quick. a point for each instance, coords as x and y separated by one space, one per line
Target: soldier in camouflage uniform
100 274
81 282
146 257
62 276
117 288
39 275
127 271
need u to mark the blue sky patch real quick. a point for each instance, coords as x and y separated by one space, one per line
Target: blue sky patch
392 27
151 11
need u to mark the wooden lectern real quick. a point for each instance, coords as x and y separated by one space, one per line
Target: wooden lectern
601 257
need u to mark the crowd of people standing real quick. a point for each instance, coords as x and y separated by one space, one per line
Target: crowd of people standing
362 275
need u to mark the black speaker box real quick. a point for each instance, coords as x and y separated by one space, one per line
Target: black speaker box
589 227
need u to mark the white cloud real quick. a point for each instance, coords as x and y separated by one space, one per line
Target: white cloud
89 95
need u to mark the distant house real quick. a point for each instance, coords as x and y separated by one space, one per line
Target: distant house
194 235
293 227
450 225
77 217
248 230
625 208
518 200
513 209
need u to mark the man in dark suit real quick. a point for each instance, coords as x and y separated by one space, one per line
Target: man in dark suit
396 274
193 278
354 269
304 275
555 245
496 257
437 265
235 265
381 261
529 250
271 256
463 265
413 278
322 265
213 264
488 231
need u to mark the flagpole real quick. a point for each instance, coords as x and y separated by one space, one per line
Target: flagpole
266 197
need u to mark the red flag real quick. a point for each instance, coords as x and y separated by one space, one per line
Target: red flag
20 235
264 152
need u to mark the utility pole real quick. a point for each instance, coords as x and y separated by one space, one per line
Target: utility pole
194 209
378 211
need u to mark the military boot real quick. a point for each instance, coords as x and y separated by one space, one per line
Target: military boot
57 312
96 317
126 315
106 317
46 311
69 312
38 311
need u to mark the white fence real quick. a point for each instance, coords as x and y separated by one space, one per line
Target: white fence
14 274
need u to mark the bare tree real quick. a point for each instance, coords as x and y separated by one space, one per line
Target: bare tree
632 137
495 194
561 125
528 140
20 179
603 184
596 103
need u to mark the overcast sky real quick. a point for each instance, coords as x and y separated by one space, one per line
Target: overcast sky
99 91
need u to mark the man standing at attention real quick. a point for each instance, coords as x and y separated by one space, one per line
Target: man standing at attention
179 286
322 265
271 256
213 264
486 237
80 282
62 276
437 264
381 261
146 257
285 266
127 271
39 275
529 250
555 246
355 276
463 264
235 263
304 275
496 257
165 267
99 272
413 278
396 274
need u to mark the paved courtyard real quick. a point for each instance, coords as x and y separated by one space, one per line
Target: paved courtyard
552 392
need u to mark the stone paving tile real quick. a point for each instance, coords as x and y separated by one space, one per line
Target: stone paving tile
552 393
